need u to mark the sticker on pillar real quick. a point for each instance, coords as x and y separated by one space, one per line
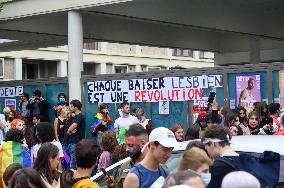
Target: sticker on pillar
232 104
10 103
164 107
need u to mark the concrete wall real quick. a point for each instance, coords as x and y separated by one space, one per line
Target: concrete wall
244 57
9 68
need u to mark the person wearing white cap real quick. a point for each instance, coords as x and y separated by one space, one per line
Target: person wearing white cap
159 149
217 143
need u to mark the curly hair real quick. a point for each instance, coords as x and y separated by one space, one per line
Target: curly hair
14 135
103 106
219 132
119 153
66 112
253 113
230 118
109 141
43 132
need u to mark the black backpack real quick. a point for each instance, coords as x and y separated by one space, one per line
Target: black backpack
264 166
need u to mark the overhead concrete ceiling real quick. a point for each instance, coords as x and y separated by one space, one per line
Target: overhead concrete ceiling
219 25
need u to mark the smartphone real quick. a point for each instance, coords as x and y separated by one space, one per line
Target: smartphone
211 97
106 174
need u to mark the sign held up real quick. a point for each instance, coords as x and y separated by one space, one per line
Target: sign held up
152 89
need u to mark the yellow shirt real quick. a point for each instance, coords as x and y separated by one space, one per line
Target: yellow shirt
86 183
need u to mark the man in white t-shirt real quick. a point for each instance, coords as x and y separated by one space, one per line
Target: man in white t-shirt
123 123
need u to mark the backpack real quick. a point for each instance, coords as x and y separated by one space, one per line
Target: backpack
264 166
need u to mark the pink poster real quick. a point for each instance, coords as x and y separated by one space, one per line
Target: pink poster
248 90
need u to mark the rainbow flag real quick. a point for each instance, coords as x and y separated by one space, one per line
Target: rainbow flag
13 152
97 124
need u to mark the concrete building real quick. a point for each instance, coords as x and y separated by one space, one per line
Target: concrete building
99 58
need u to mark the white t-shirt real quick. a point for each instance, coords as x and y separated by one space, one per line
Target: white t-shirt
123 122
36 147
144 123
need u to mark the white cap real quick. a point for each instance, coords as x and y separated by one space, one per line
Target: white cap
162 135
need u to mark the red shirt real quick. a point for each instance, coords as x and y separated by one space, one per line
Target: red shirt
280 132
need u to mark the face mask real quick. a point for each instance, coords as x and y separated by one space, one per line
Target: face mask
206 177
61 99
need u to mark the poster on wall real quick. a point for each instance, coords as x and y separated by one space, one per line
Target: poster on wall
11 103
164 107
11 91
152 89
248 90
281 87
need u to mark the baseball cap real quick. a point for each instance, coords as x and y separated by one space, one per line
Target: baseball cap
162 135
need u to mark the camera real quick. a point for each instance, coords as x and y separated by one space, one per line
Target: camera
211 96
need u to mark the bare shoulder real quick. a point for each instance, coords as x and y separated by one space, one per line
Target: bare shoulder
131 181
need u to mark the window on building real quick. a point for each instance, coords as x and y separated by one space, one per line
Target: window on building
154 68
206 55
30 71
182 52
120 69
89 69
91 45
35 69
201 55
1 68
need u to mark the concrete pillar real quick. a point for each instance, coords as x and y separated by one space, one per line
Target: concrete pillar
18 69
62 68
103 46
138 68
136 49
168 52
255 50
195 55
101 68
75 54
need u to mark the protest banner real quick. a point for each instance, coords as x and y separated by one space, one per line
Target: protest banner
152 89
248 90
11 91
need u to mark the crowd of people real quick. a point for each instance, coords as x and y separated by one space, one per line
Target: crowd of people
36 153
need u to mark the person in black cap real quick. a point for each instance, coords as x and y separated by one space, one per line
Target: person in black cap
39 106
